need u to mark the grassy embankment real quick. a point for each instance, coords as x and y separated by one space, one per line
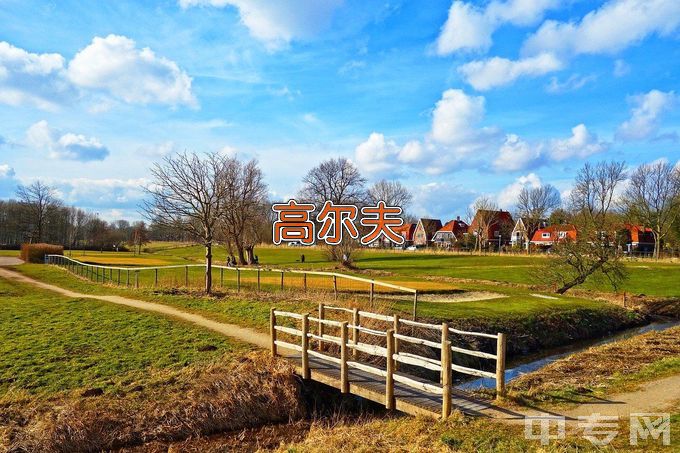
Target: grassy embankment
84 375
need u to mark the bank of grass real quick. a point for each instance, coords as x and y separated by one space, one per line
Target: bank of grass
602 370
52 343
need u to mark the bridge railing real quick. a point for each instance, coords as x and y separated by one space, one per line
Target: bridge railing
391 352
255 277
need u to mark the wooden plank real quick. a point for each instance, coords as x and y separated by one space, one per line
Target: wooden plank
474 334
484 355
285 344
418 384
288 330
432 344
368 314
288 314
369 349
407 322
473 372
417 361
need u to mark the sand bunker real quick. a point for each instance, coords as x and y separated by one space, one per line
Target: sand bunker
467 296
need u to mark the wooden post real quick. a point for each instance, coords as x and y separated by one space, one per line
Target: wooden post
322 313
118 277
370 297
446 379
335 286
355 331
389 378
238 280
221 277
624 300
305 346
344 372
272 330
258 278
500 366
136 279
396 340
155 279
127 282
186 276
415 305
111 274
445 340
281 280
304 281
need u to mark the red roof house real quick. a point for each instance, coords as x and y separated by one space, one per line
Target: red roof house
450 233
498 225
553 234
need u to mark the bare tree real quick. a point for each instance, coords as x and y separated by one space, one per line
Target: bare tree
335 180
653 199
340 182
40 199
76 219
484 219
393 193
534 204
139 236
188 193
245 198
593 253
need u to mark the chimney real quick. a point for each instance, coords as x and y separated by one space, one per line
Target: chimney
458 218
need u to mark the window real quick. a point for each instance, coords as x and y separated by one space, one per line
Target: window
563 234
545 235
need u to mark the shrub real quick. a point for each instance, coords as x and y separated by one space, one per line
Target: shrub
35 253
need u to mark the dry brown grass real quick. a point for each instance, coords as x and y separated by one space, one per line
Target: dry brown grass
599 365
214 399
35 253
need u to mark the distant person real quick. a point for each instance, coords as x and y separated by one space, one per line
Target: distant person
228 261
302 258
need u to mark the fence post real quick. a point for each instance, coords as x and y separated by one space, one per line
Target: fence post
415 305
370 297
305 346
111 275
445 339
344 374
155 280
127 281
304 281
281 280
322 314
258 278
335 286
396 340
221 277
355 331
136 279
500 366
272 330
186 276
238 280
389 378
118 277
446 379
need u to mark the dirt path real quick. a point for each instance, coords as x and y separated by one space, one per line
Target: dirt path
231 330
10 261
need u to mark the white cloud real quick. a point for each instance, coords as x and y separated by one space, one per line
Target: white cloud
613 27
621 68
646 114
581 144
30 78
108 193
454 115
158 149
507 198
412 152
115 65
66 146
442 200
6 171
573 83
277 23
517 154
376 155
471 28
494 72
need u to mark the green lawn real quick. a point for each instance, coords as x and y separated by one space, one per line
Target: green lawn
51 343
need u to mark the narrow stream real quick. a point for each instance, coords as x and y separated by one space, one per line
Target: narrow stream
536 361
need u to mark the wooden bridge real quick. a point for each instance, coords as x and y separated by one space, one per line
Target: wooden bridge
374 363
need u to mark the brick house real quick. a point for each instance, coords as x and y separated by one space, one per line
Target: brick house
522 233
494 227
406 231
424 231
451 233
638 238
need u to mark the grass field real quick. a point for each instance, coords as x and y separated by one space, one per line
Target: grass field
52 344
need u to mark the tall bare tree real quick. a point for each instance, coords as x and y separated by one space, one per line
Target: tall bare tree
393 193
593 253
484 219
534 204
244 202
653 199
40 199
338 181
138 236
188 193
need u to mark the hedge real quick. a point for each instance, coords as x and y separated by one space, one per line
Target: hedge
35 253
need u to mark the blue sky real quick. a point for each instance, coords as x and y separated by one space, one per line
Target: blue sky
455 99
